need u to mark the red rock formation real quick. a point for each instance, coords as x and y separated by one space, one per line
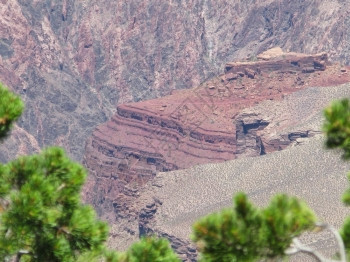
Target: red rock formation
275 60
196 126
74 61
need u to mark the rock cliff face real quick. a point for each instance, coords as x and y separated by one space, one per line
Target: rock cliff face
168 204
207 124
172 201
74 61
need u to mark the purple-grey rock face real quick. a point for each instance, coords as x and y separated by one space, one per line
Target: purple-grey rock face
74 61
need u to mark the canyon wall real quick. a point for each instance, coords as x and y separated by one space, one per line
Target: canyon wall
172 201
74 61
207 124
169 202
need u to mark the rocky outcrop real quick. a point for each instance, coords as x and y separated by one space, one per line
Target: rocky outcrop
247 139
74 61
173 201
207 124
184 248
275 60
253 140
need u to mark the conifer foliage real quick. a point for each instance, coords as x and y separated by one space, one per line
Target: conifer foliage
11 107
337 129
149 249
337 126
42 217
246 233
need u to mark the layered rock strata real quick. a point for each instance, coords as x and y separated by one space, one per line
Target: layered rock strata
74 61
204 125
172 201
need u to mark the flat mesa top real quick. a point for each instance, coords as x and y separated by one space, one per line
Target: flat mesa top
277 53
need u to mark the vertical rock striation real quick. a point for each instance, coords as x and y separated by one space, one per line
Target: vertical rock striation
74 61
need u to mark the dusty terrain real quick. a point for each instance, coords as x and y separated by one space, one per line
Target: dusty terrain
180 198
174 200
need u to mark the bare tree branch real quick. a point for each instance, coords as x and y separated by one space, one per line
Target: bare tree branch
20 254
297 246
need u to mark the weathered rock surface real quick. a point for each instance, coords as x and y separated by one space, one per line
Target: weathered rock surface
212 123
73 61
172 201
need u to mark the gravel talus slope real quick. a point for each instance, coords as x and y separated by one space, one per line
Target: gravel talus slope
179 198
174 200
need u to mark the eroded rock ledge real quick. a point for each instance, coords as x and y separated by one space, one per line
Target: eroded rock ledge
207 124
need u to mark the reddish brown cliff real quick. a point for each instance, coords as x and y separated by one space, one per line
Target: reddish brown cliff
74 61
202 125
